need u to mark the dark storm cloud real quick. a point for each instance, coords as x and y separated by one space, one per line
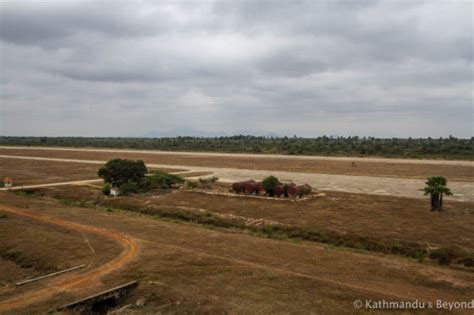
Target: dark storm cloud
384 68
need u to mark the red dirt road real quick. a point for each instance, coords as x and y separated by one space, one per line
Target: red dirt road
64 283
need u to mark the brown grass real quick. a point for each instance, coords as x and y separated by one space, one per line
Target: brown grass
184 268
31 172
452 172
29 249
389 218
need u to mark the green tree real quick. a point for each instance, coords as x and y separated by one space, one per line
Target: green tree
117 172
269 185
436 187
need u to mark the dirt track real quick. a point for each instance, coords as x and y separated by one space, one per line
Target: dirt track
402 187
77 182
65 283
277 156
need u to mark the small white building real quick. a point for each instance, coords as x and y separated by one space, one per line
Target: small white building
114 191
7 182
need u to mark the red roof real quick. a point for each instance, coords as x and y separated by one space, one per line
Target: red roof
8 180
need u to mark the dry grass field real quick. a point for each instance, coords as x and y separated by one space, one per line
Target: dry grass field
186 268
195 252
395 169
29 172
32 172
390 218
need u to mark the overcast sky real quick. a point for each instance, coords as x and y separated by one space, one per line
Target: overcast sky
134 68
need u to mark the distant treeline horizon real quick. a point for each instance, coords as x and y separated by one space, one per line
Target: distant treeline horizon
438 148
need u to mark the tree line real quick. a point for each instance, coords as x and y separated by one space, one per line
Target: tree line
450 147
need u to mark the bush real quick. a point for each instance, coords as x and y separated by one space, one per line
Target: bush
304 190
11 254
468 261
445 255
269 185
119 172
207 182
130 188
106 188
192 185
161 180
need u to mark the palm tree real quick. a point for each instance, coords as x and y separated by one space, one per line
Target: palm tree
436 187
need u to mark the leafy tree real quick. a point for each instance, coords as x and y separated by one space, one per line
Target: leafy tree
117 172
436 187
269 185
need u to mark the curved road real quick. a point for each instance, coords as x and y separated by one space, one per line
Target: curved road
65 283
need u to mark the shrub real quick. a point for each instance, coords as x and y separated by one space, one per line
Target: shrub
207 182
130 188
304 190
106 188
420 255
269 185
11 254
192 185
445 255
160 180
468 261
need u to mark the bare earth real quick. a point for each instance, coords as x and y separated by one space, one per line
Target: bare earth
403 187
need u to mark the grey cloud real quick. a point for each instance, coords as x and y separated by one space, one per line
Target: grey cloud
287 67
